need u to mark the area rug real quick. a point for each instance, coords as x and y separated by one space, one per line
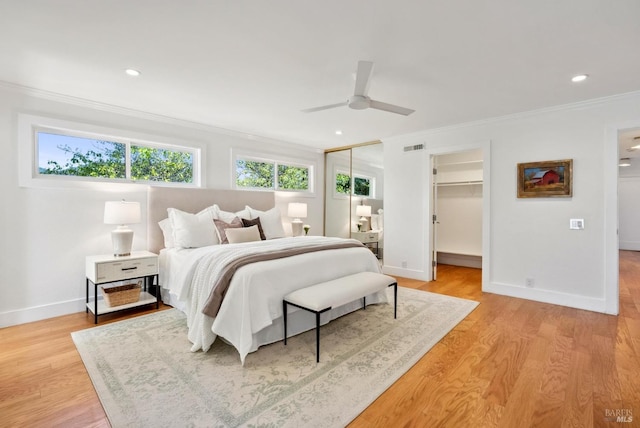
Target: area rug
146 376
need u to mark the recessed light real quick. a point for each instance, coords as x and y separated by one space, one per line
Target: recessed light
625 162
579 78
338 132
132 72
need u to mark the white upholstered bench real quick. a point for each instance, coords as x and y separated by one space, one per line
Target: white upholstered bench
322 297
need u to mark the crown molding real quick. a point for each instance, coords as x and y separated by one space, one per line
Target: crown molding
111 108
514 116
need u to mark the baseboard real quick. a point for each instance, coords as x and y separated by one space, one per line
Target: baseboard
406 273
37 313
629 245
547 296
460 260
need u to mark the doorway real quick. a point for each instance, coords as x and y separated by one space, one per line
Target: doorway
457 205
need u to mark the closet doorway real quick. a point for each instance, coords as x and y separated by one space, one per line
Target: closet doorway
457 207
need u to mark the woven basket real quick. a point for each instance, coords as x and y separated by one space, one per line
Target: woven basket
122 294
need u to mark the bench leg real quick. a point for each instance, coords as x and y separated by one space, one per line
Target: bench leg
317 337
284 315
364 302
395 300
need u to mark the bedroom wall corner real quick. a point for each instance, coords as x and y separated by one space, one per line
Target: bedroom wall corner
48 232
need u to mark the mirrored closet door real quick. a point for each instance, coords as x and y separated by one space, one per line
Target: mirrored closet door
354 197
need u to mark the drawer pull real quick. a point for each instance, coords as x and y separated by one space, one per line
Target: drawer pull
130 268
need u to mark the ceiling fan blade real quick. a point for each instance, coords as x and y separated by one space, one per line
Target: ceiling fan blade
311 110
390 107
363 75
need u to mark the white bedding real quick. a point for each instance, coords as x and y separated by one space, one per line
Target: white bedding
251 313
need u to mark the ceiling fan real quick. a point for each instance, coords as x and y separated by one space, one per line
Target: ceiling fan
360 100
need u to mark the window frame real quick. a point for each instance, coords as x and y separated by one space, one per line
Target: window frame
29 126
275 161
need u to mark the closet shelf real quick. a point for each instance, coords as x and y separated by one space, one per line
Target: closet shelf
459 163
460 183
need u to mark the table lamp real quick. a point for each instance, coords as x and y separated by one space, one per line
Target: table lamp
297 210
363 211
121 213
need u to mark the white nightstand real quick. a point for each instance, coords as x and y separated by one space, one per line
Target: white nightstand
106 269
370 239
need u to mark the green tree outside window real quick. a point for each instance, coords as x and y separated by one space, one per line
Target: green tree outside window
255 174
271 175
343 183
293 177
85 157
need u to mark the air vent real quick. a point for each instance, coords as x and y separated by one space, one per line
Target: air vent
415 147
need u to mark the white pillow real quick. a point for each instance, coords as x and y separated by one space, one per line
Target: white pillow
243 234
167 232
228 216
374 222
193 230
271 222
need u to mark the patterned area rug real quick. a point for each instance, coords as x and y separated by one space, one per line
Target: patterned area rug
146 376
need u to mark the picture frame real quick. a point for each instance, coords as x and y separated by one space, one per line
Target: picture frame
546 179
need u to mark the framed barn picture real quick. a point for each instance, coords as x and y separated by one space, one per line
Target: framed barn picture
547 179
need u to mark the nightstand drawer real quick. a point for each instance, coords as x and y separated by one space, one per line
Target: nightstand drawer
117 270
365 237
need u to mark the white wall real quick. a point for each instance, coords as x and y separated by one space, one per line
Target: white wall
46 233
629 213
459 210
530 238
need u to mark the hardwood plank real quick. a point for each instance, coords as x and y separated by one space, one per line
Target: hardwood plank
511 362
578 406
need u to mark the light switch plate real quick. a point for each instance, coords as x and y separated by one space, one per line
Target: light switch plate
576 223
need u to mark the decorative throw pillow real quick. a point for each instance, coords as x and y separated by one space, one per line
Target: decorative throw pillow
254 222
244 234
271 221
222 226
228 216
192 230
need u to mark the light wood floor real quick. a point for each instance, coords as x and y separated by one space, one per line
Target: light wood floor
511 363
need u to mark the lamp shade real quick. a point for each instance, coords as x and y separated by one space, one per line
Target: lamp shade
297 210
121 212
363 210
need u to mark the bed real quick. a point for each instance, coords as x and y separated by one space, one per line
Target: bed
250 315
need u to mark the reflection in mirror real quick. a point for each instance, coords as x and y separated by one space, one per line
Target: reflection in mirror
337 185
368 176
354 177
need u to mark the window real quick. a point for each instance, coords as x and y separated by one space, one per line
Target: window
292 177
271 174
65 153
343 183
80 157
361 185
255 174
156 164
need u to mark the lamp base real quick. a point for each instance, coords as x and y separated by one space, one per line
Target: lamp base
365 224
296 227
122 238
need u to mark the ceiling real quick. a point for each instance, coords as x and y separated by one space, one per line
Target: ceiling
251 66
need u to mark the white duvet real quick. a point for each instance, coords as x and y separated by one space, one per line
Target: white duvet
251 313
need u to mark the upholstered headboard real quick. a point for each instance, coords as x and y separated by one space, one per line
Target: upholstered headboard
195 200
